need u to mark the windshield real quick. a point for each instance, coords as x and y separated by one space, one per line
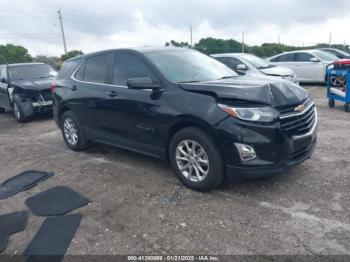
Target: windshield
189 66
26 72
325 56
256 61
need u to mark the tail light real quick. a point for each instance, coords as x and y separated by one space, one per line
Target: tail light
52 88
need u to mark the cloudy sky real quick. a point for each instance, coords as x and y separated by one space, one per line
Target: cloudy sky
100 24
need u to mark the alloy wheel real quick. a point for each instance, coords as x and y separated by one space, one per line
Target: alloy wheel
192 160
70 131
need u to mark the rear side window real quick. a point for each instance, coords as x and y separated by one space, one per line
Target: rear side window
96 69
128 66
67 68
303 57
285 58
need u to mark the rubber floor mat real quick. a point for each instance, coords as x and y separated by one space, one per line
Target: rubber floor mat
53 238
13 223
4 240
56 201
22 182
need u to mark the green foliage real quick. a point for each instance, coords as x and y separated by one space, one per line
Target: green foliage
215 46
71 54
10 53
212 45
177 44
53 61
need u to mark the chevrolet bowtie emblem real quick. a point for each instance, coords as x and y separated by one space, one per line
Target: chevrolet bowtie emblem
299 108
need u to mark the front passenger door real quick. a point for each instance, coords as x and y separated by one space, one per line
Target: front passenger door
134 113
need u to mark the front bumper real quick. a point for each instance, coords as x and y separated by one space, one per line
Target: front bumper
239 173
275 151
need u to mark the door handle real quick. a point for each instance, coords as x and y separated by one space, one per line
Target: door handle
74 88
111 93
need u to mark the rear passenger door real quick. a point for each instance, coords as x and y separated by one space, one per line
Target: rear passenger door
88 93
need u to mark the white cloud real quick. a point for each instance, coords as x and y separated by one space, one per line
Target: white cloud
95 25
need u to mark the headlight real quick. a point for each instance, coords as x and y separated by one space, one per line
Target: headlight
259 114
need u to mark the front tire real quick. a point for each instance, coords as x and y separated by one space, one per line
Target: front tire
19 115
72 132
196 160
331 103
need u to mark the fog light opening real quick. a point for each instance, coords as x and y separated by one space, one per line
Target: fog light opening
246 152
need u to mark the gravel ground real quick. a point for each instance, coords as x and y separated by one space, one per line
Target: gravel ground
139 207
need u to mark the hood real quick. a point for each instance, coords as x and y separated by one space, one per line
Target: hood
252 89
278 71
35 84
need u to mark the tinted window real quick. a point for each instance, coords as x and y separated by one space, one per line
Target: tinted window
128 66
96 69
303 57
230 62
68 67
286 58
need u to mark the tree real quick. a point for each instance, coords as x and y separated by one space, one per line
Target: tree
10 53
53 61
178 44
213 45
71 54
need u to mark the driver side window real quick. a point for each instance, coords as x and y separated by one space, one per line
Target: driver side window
127 66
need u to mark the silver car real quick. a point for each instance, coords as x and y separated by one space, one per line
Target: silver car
309 65
244 63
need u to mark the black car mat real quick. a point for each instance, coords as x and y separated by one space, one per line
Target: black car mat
56 201
22 182
4 240
53 238
13 223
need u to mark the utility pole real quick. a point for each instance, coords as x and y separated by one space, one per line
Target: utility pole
243 42
279 39
330 39
62 30
191 35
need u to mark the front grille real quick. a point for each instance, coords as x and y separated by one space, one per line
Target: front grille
294 124
46 95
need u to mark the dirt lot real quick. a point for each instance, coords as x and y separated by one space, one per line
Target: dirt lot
139 207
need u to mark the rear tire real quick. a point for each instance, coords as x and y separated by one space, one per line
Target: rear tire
72 132
19 115
2 110
346 107
196 160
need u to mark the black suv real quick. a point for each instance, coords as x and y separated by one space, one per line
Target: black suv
184 107
25 89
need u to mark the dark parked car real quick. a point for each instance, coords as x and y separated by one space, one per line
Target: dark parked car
338 53
185 108
25 89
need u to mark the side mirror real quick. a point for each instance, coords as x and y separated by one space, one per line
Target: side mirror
3 80
142 83
242 67
314 59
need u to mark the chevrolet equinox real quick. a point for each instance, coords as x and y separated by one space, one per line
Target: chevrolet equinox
187 109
